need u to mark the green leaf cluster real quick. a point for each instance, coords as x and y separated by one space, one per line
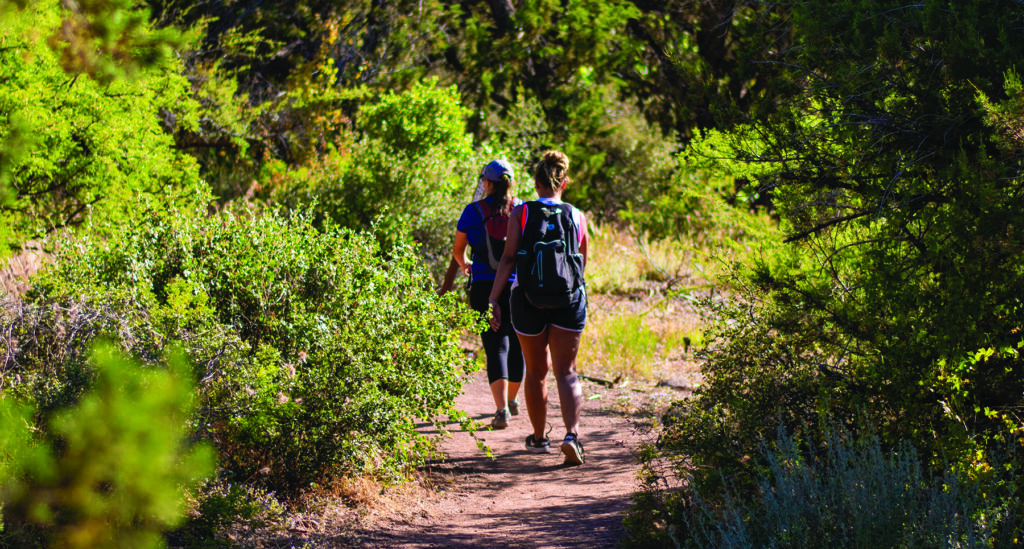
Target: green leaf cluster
72 146
108 471
410 172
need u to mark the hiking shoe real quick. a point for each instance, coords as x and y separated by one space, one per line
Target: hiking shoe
500 420
513 407
542 446
573 450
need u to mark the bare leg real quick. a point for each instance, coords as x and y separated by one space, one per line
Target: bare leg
535 389
513 389
498 391
564 345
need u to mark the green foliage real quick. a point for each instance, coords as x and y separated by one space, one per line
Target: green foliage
563 55
427 119
619 161
247 147
1005 115
849 493
71 146
603 76
230 515
315 351
110 470
279 82
897 177
596 79
709 197
412 171
106 39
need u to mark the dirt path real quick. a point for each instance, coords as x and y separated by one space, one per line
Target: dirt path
519 499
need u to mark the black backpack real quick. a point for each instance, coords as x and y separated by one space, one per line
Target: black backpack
549 266
496 229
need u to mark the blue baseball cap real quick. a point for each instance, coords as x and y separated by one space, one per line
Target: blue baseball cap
496 169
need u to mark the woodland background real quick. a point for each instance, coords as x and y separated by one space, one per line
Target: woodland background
222 197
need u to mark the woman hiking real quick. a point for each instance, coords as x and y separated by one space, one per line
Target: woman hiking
483 226
543 234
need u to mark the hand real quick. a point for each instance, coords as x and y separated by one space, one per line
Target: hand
495 316
467 269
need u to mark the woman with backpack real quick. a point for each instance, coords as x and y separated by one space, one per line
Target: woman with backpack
547 247
482 227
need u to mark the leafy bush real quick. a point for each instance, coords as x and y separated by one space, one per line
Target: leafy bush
619 160
108 471
848 493
315 353
897 299
709 198
230 515
71 147
413 170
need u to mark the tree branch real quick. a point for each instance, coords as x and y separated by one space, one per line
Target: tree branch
822 226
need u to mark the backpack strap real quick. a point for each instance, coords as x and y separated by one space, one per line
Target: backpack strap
485 215
577 234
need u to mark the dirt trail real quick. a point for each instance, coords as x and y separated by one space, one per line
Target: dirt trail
519 499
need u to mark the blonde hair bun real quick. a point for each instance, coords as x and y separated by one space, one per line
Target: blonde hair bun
552 170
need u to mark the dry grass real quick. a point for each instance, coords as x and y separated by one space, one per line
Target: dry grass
640 325
14 276
647 339
620 263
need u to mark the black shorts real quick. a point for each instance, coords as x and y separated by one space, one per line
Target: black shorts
529 320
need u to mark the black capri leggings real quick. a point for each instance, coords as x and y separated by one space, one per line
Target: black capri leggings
504 355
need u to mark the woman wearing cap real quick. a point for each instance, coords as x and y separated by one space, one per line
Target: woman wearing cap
483 226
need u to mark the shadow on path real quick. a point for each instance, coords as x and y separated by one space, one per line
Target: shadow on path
517 498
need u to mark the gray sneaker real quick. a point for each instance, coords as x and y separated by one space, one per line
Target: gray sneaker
513 407
542 446
573 450
501 418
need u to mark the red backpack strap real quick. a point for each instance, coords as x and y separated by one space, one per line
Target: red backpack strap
484 208
495 224
487 216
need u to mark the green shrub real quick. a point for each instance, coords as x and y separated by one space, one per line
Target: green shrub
621 162
413 170
72 147
230 515
315 352
897 298
848 493
107 472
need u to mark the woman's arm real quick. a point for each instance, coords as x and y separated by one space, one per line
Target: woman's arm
458 263
459 251
508 262
449 277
